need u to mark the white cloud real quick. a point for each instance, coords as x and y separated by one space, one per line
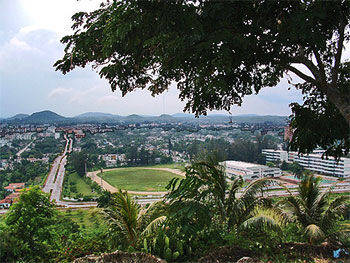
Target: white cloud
59 91
109 99
16 43
56 15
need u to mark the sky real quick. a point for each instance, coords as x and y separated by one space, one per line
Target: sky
30 33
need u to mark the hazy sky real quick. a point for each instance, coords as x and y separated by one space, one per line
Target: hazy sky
30 31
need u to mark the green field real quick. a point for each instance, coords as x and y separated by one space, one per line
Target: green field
76 187
88 219
179 166
139 179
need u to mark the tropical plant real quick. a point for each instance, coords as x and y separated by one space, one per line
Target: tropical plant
297 170
313 211
129 221
206 200
123 216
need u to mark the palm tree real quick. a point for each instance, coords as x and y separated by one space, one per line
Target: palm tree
313 211
123 215
205 197
129 220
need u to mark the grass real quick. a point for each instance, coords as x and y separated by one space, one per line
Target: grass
139 179
77 186
88 219
179 166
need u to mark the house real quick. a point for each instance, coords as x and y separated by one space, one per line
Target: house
9 200
12 187
5 203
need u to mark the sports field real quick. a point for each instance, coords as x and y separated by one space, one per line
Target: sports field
139 179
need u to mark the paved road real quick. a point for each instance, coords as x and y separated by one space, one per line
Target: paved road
55 179
24 149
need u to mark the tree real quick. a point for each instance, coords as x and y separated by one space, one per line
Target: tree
284 166
28 227
78 159
104 199
127 219
313 211
297 170
218 52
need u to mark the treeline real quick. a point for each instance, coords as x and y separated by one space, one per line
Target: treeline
246 150
140 156
7 152
134 155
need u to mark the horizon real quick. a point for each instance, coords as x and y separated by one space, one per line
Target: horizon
145 115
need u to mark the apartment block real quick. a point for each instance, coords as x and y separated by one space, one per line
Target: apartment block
312 162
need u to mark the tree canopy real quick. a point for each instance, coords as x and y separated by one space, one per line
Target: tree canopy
219 52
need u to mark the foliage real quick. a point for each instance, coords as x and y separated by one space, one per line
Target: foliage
247 150
48 145
162 246
6 152
204 207
284 166
75 186
318 122
104 199
33 231
312 211
123 216
219 52
23 172
297 170
78 159
29 227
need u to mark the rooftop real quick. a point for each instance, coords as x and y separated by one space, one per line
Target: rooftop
243 164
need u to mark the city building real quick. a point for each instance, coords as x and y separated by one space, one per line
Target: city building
275 155
249 170
313 162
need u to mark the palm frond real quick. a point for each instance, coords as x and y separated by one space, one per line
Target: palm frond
314 233
154 225
265 220
335 209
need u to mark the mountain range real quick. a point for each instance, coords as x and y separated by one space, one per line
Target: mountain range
100 117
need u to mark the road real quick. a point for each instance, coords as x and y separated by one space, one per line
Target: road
50 184
54 182
23 150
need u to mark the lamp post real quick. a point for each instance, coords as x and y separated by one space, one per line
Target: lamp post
101 177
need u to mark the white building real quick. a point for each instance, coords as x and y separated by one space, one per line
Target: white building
57 135
249 170
5 142
312 162
275 155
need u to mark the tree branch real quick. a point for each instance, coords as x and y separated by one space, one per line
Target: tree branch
302 75
308 63
321 67
339 52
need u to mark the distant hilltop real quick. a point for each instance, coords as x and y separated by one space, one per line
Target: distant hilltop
50 117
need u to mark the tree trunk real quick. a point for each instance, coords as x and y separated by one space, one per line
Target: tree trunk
341 101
